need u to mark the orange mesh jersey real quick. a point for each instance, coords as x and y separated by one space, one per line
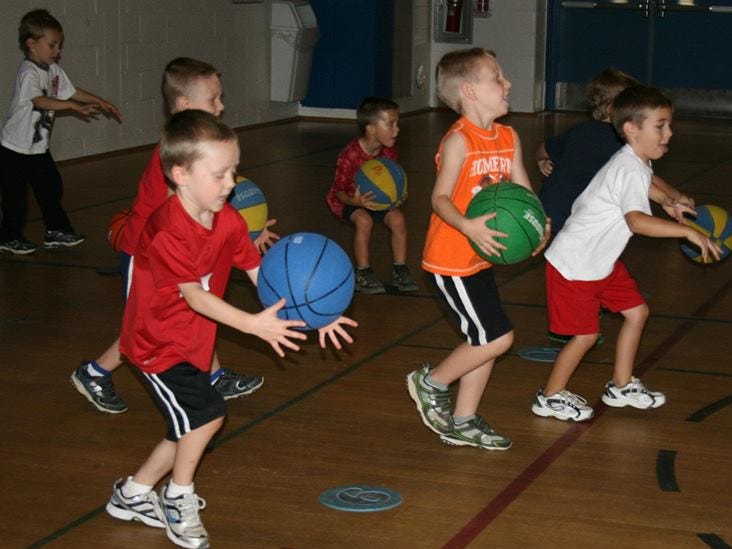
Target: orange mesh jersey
488 159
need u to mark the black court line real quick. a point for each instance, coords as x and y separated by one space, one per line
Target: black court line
695 372
666 471
714 541
708 410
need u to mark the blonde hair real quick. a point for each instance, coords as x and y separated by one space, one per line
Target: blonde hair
604 87
453 69
180 75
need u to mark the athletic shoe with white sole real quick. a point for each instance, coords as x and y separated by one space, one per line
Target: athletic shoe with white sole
476 432
182 521
563 405
633 394
144 508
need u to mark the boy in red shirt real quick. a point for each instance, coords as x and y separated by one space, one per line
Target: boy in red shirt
179 274
187 84
378 121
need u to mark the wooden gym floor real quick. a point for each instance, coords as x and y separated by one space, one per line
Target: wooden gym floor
657 479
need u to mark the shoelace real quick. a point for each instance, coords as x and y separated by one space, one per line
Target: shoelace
572 399
188 506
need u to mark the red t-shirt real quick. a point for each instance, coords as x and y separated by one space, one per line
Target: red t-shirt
348 163
151 194
159 329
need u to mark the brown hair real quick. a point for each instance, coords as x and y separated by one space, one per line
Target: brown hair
34 24
454 68
183 134
604 87
633 104
178 77
369 110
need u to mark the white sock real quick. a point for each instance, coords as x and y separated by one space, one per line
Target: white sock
174 490
131 488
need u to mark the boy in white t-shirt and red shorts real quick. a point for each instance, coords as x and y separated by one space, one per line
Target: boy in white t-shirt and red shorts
584 272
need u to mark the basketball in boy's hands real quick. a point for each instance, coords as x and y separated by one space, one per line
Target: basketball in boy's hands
248 199
518 214
115 227
713 222
312 273
386 180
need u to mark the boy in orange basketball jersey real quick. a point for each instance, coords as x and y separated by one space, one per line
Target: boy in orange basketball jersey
180 272
378 121
476 151
584 272
187 84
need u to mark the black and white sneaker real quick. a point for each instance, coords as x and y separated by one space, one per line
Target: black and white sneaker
98 390
233 385
18 247
563 405
633 394
61 239
144 508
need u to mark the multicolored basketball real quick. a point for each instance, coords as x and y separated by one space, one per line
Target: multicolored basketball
713 222
248 199
312 273
386 179
518 214
115 227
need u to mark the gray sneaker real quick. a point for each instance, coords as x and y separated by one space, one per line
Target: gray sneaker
18 247
367 282
98 390
232 385
433 404
61 239
182 521
563 405
402 279
144 508
477 433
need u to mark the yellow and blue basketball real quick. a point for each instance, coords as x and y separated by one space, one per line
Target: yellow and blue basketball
518 214
386 179
713 222
248 199
314 275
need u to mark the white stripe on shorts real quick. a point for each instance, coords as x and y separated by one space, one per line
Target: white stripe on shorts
467 304
168 398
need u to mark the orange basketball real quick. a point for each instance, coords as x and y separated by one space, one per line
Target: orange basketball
115 227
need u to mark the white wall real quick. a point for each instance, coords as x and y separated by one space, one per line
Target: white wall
118 49
516 31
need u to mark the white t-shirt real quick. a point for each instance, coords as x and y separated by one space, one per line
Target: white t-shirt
26 129
596 232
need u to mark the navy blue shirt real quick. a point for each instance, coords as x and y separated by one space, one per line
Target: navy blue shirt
577 155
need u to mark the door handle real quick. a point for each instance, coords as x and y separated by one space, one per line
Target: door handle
662 7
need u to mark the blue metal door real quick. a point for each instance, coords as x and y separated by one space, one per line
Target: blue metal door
681 46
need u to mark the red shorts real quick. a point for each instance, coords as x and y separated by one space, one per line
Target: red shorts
574 305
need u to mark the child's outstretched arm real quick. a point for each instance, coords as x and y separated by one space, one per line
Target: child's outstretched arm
53 104
265 324
335 329
453 156
674 203
648 225
89 98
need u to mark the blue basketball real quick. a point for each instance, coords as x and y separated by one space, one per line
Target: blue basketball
248 199
312 273
714 222
386 179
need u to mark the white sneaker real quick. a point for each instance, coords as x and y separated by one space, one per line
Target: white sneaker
144 508
182 521
633 394
562 405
